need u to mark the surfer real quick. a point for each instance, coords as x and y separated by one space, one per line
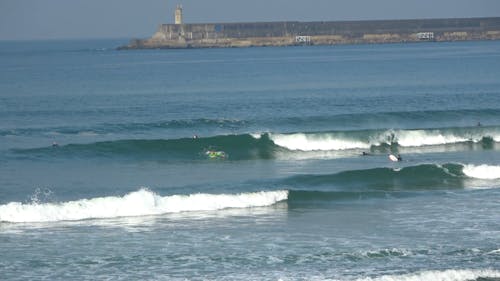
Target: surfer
391 138
399 158
54 144
364 153
214 154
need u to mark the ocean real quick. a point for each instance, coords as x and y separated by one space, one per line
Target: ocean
249 164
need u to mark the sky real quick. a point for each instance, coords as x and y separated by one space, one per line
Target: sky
74 19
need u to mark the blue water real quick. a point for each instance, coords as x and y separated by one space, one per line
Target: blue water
247 164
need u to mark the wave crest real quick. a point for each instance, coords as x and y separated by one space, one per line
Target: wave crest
444 275
364 139
139 203
310 142
369 182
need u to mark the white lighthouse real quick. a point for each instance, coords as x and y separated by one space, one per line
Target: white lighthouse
178 14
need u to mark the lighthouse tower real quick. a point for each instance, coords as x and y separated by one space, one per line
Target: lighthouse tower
178 14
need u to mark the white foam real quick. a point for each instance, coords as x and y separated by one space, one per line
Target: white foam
445 275
404 138
433 137
312 142
138 203
494 252
482 171
256 136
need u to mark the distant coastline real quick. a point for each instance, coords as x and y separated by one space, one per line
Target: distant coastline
291 33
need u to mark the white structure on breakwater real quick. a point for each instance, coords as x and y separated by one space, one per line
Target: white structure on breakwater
178 14
425 35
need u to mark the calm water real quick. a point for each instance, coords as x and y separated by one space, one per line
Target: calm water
247 164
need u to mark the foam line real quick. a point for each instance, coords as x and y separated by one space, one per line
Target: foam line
138 203
487 172
435 275
311 142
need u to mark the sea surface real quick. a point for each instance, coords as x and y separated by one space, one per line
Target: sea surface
249 164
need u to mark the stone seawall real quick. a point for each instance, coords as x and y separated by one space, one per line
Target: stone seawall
215 35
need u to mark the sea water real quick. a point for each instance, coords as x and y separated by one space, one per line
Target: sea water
105 170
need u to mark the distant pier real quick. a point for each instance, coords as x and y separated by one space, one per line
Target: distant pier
290 33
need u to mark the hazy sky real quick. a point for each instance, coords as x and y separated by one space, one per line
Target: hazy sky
53 19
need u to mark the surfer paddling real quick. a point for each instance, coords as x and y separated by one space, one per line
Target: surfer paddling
214 154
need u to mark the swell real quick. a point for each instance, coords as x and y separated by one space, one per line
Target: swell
384 183
236 147
394 119
113 128
352 183
378 120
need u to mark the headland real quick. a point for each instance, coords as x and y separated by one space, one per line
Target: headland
290 33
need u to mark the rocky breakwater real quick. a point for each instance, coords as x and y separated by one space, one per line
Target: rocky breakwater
220 35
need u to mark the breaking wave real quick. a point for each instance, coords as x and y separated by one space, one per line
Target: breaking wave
301 189
488 172
383 183
366 139
441 275
278 145
139 203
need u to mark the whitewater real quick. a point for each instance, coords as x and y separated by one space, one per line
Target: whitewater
366 139
140 203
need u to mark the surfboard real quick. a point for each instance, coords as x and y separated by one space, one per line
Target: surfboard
393 158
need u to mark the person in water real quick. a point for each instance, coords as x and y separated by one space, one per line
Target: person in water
214 154
391 138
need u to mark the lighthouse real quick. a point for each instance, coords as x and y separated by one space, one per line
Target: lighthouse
178 14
